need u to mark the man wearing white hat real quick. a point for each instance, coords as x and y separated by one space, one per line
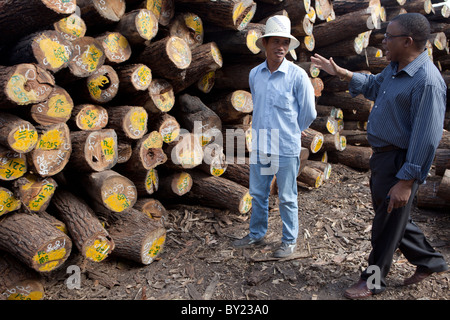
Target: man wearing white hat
283 106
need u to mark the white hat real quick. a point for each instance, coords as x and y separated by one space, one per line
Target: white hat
278 26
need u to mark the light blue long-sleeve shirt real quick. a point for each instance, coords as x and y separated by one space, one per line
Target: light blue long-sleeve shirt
408 111
283 106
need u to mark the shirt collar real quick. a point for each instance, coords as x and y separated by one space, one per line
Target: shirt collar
414 65
284 66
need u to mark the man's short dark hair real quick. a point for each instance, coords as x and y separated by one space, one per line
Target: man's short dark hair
416 26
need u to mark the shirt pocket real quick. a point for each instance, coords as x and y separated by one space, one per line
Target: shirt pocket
283 103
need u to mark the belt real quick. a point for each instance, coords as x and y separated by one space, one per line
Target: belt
385 149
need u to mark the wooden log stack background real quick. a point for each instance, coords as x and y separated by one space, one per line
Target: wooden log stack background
109 110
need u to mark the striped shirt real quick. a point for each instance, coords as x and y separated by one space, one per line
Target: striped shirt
283 106
408 111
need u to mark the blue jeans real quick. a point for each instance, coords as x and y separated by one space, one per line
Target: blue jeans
262 169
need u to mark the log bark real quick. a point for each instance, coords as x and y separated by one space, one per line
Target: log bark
48 49
110 189
175 185
133 78
35 192
13 165
441 161
52 151
163 10
356 137
85 229
147 154
234 106
228 14
129 122
136 236
238 172
220 193
158 98
167 126
312 140
357 108
353 156
20 18
353 23
167 58
93 150
196 117
146 181
325 124
24 84
34 242
311 177
98 13
57 108
138 26
321 166
17 134
444 187
205 58
153 208
427 195
189 27
18 282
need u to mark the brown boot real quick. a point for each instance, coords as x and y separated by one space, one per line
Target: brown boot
417 277
358 290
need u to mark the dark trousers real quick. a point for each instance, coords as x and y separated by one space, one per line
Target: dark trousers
395 230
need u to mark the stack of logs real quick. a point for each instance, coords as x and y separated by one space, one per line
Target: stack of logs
109 110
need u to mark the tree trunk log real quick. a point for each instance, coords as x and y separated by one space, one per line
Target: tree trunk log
116 47
110 189
357 108
442 161
129 122
86 231
17 134
8 201
189 27
352 156
138 26
93 150
166 125
133 78
312 177
175 185
205 58
13 165
196 117
147 154
24 84
312 140
427 195
18 282
20 18
34 241
57 108
98 88
234 106
35 192
52 151
48 49
220 193
167 58
444 187
88 117
152 208
158 98
228 14
184 153
99 13
71 27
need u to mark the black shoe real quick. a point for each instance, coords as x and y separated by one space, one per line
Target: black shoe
247 242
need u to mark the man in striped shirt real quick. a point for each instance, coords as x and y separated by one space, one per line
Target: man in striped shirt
404 129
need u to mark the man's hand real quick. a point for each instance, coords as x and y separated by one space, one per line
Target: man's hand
399 194
330 67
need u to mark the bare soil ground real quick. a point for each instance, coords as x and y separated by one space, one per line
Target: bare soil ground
199 261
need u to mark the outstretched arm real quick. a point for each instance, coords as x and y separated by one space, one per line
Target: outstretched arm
330 67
